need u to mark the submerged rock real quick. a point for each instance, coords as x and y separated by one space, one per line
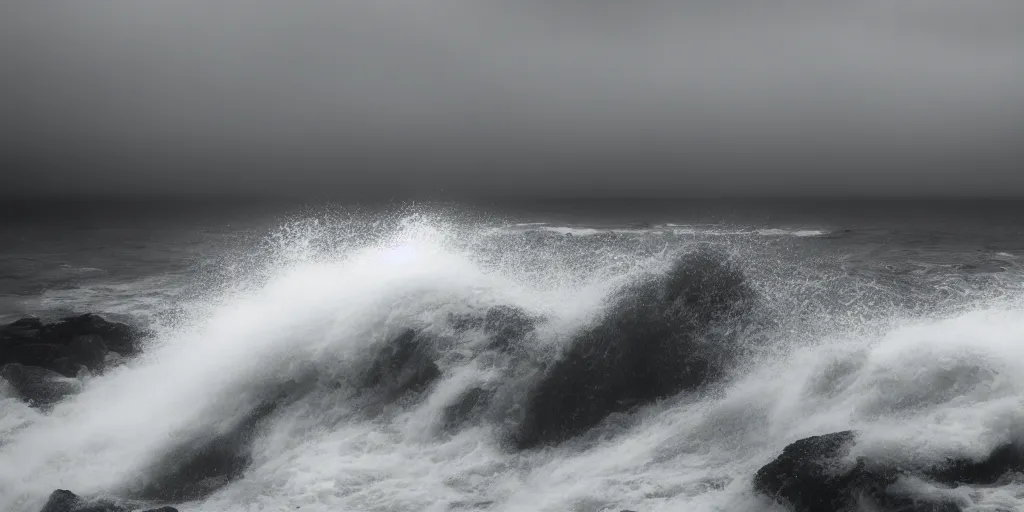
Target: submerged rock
662 336
468 406
816 475
507 326
504 326
202 466
404 364
38 386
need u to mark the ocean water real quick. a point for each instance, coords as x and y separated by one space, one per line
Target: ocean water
903 320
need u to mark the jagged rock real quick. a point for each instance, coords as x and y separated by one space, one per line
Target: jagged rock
38 385
816 475
661 336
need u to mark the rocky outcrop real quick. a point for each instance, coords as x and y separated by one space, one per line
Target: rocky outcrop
662 336
67 501
68 345
38 386
40 361
817 475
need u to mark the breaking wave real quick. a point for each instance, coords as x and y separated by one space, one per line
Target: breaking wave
425 365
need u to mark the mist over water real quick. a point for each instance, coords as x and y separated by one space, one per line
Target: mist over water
921 354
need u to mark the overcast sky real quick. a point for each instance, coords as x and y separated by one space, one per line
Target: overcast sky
513 97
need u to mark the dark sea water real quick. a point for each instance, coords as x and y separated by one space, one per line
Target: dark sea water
902 319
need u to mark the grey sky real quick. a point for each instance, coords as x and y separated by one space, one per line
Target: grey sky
514 97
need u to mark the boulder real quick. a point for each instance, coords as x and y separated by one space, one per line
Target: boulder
810 475
65 345
38 386
816 475
661 336
67 501
117 337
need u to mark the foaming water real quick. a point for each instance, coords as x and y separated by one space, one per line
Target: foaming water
308 313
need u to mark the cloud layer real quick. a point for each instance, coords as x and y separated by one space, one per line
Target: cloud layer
566 96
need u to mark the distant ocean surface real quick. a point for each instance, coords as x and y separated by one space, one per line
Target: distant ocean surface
902 319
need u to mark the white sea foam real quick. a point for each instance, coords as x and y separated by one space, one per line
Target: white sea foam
927 388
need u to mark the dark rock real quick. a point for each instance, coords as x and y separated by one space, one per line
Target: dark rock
662 336
468 405
67 501
506 326
66 367
61 501
38 386
816 475
462 322
87 350
116 336
1008 458
26 328
404 364
20 331
27 323
32 354
809 475
202 466
62 346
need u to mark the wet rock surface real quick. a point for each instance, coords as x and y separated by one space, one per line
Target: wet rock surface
38 386
403 364
657 339
816 475
66 345
67 501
